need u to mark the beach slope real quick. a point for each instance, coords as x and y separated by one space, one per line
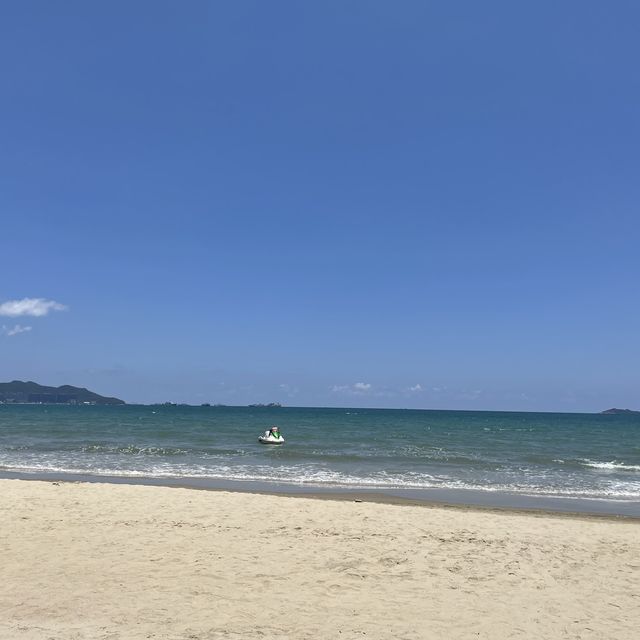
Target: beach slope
106 562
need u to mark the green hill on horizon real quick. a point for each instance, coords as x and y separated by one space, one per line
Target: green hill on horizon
19 392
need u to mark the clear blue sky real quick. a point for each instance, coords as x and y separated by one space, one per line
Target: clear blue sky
402 204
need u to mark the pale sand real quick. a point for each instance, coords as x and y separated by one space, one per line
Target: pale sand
99 561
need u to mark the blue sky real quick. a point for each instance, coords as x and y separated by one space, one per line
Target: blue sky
415 204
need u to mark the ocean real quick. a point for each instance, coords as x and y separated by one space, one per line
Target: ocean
585 457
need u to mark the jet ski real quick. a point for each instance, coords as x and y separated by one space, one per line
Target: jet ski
271 440
271 436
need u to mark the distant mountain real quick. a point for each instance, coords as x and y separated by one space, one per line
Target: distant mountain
18 392
615 411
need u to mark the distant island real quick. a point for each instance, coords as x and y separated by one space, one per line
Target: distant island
271 405
614 411
18 392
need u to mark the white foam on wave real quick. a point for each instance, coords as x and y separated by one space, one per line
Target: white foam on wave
610 466
313 477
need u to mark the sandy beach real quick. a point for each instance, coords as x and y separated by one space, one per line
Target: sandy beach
101 561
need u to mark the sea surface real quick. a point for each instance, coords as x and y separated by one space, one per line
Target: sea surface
585 456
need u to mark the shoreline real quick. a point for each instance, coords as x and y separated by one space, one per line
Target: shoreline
460 499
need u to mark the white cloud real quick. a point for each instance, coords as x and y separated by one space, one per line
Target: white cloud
358 388
18 328
416 387
30 307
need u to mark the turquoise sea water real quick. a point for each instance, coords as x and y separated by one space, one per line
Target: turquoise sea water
563 455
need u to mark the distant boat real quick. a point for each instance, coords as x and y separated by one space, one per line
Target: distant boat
614 411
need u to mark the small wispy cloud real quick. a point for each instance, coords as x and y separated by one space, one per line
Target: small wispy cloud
15 330
471 394
416 387
357 388
290 390
35 307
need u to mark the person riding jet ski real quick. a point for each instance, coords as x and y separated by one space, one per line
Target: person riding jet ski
272 436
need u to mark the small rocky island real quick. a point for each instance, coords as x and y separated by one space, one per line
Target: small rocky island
18 392
615 412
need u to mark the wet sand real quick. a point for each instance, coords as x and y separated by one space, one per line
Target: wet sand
463 498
